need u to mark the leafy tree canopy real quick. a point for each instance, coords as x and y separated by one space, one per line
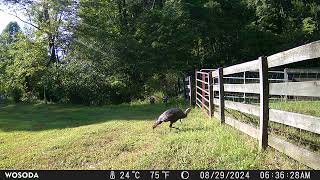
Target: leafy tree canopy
114 51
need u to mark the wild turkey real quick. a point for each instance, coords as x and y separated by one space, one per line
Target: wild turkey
171 115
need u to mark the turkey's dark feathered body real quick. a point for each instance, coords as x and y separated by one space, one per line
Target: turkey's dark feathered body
171 115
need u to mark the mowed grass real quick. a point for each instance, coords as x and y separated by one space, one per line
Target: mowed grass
121 137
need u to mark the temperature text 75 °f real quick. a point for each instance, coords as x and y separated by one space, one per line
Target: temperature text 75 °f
159 174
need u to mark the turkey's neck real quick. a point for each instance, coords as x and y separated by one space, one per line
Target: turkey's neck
186 112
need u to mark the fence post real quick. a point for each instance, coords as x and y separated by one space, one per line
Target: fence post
190 90
184 87
286 80
221 95
244 82
202 91
195 87
264 103
210 87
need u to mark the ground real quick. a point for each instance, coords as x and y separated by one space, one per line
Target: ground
120 137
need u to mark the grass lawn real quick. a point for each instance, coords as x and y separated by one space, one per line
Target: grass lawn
121 137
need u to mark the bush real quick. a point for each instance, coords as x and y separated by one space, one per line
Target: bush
16 94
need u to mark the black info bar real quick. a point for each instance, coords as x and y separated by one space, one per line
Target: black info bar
160 174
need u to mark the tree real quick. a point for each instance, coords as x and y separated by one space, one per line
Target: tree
11 31
113 51
50 19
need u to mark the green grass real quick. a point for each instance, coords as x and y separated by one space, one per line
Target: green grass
120 137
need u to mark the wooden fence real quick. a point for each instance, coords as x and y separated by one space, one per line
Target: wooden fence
205 93
275 76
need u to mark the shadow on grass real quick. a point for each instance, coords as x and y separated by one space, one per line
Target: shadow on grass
38 117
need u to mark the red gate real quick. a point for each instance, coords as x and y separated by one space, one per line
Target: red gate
203 97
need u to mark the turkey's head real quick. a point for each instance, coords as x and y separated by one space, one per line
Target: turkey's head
156 124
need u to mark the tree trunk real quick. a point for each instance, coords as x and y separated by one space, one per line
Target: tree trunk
51 38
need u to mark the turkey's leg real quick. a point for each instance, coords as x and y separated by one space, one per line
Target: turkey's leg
172 126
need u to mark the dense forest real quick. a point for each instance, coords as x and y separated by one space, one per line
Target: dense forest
97 52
